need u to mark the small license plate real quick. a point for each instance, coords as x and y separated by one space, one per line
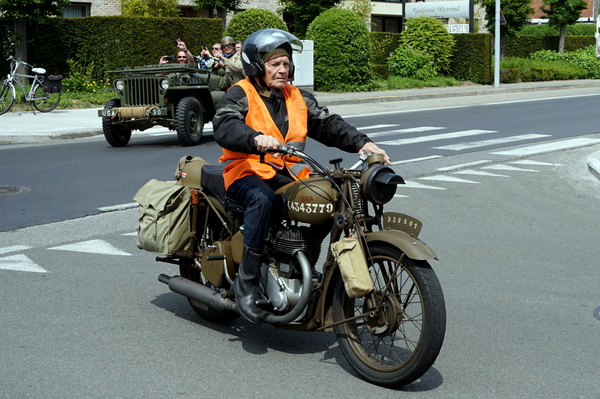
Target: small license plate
106 113
402 222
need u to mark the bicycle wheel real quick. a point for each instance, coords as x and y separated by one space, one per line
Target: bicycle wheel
45 102
7 96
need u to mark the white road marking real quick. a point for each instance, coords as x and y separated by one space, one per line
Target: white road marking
374 127
548 147
448 178
434 137
485 143
20 263
412 184
14 248
92 247
415 159
464 165
529 162
477 173
119 207
508 167
131 234
407 130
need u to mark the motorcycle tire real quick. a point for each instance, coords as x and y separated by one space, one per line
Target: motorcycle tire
205 312
400 343
115 135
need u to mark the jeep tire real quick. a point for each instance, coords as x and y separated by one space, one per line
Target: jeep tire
116 135
189 121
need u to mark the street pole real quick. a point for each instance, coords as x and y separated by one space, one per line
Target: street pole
497 46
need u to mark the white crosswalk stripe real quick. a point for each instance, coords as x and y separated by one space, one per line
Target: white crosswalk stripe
419 129
487 143
435 137
447 178
548 147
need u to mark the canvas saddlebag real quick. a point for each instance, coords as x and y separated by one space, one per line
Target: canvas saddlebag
163 217
353 266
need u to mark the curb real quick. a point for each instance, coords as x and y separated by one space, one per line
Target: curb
451 92
593 163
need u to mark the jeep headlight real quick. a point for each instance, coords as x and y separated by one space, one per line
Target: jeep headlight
164 84
119 85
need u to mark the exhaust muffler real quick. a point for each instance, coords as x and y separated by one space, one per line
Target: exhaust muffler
198 292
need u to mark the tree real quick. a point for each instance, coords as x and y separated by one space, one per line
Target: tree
562 13
222 7
303 12
22 11
361 7
516 13
149 8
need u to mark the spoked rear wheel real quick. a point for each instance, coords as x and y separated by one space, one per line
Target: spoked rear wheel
395 344
45 102
7 96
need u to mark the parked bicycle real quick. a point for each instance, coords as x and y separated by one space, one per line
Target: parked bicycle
44 92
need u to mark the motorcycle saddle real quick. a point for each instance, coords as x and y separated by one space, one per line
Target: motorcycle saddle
211 180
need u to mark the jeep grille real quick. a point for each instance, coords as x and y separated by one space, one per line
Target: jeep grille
142 91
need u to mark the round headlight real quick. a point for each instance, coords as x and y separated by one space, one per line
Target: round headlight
378 184
119 85
164 84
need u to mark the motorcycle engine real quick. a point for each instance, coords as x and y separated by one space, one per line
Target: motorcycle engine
284 282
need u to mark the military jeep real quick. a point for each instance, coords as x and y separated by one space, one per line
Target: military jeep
180 97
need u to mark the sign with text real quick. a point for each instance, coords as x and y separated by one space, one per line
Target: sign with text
438 9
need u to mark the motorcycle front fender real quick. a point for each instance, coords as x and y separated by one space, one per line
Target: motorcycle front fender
411 246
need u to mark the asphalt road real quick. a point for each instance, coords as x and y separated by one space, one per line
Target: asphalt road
83 314
517 263
83 177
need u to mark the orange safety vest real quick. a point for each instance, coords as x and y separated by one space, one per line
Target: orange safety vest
239 164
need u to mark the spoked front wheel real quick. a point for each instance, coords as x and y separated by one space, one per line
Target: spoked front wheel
44 101
7 96
396 343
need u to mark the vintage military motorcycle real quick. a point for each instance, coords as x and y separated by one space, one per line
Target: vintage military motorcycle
375 289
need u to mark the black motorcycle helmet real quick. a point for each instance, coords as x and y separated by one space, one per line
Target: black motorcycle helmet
263 41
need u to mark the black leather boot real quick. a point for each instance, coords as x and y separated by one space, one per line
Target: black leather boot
245 286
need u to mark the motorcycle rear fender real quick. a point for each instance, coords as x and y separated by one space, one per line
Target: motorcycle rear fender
411 246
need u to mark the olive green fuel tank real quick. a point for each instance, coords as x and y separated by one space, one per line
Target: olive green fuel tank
310 200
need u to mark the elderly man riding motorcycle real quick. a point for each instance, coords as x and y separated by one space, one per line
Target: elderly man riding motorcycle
263 112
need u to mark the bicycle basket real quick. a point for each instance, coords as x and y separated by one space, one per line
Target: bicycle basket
53 84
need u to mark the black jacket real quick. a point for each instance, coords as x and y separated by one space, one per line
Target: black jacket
232 133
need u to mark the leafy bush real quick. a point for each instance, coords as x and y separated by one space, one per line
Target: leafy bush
408 62
149 8
81 78
251 20
583 58
430 36
342 52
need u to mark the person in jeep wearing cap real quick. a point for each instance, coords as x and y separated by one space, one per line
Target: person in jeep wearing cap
231 61
260 112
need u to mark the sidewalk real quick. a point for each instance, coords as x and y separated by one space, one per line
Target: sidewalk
27 127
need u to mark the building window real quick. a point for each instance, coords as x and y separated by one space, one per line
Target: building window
386 24
74 10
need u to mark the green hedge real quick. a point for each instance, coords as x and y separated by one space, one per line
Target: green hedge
472 58
525 45
113 42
